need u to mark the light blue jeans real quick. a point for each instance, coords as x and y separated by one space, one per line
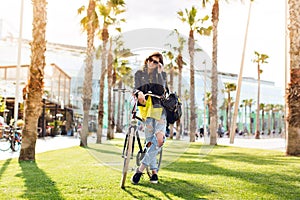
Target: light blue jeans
153 126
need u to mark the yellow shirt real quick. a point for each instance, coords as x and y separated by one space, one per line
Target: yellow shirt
148 110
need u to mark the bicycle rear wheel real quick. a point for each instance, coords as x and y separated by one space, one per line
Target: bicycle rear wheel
158 161
17 146
127 156
4 143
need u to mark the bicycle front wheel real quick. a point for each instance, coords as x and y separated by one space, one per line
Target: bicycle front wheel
4 143
158 161
127 156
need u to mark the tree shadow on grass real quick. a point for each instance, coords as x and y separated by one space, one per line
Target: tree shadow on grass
169 189
38 184
4 167
273 182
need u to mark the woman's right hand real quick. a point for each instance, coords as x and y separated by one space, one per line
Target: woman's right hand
141 98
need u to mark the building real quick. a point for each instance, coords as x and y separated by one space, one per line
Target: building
56 98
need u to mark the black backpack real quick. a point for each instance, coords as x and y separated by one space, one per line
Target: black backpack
172 105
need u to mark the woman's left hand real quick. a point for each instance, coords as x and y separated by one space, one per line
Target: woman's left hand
160 68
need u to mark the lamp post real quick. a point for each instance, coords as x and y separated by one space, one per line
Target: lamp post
16 108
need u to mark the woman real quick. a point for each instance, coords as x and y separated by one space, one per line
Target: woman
151 80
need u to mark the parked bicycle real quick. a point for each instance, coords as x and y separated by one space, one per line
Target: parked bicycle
129 144
10 138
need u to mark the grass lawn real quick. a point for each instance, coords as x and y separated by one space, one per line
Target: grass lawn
188 172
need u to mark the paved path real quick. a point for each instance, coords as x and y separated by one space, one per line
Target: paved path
45 144
60 142
268 144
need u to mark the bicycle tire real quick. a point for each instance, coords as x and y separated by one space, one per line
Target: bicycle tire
17 146
127 157
5 144
158 158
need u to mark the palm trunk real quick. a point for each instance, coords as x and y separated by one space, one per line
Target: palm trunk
263 120
110 131
88 75
119 114
214 76
102 79
172 78
293 136
123 109
239 85
192 87
36 84
178 123
257 134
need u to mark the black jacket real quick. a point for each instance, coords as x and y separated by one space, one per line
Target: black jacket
154 82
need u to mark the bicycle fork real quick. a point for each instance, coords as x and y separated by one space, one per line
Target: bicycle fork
135 136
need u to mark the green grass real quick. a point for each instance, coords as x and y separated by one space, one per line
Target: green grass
189 172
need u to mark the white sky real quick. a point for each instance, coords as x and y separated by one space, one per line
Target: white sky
266 30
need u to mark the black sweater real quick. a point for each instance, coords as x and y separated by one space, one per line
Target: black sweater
154 82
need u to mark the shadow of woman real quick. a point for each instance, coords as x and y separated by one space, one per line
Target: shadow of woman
38 184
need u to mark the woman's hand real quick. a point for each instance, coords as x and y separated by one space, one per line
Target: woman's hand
141 98
160 68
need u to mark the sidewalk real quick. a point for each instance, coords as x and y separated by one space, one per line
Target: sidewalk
45 144
61 142
267 144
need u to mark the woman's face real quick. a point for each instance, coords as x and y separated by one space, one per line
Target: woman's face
153 63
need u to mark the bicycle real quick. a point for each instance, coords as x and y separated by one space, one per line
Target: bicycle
10 139
129 144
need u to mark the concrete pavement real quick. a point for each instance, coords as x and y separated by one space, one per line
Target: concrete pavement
60 142
45 144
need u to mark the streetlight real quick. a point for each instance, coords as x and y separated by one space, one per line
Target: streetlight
16 110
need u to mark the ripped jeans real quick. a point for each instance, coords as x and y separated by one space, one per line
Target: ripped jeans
152 126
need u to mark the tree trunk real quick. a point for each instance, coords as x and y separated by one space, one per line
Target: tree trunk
110 131
191 42
88 75
257 134
119 113
214 76
179 64
102 78
36 80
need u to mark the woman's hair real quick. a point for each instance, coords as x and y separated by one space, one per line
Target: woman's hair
156 54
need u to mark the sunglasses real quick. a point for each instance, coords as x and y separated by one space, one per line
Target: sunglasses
154 61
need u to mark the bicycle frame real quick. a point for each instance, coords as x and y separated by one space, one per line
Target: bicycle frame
129 143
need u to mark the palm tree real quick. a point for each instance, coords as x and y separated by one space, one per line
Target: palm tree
262 107
118 71
90 24
186 97
278 108
179 61
35 83
170 68
259 59
208 97
293 136
190 17
245 104
124 79
268 108
250 103
229 87
110 119
239 85
108 11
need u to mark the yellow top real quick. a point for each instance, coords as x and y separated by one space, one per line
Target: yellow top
148 110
